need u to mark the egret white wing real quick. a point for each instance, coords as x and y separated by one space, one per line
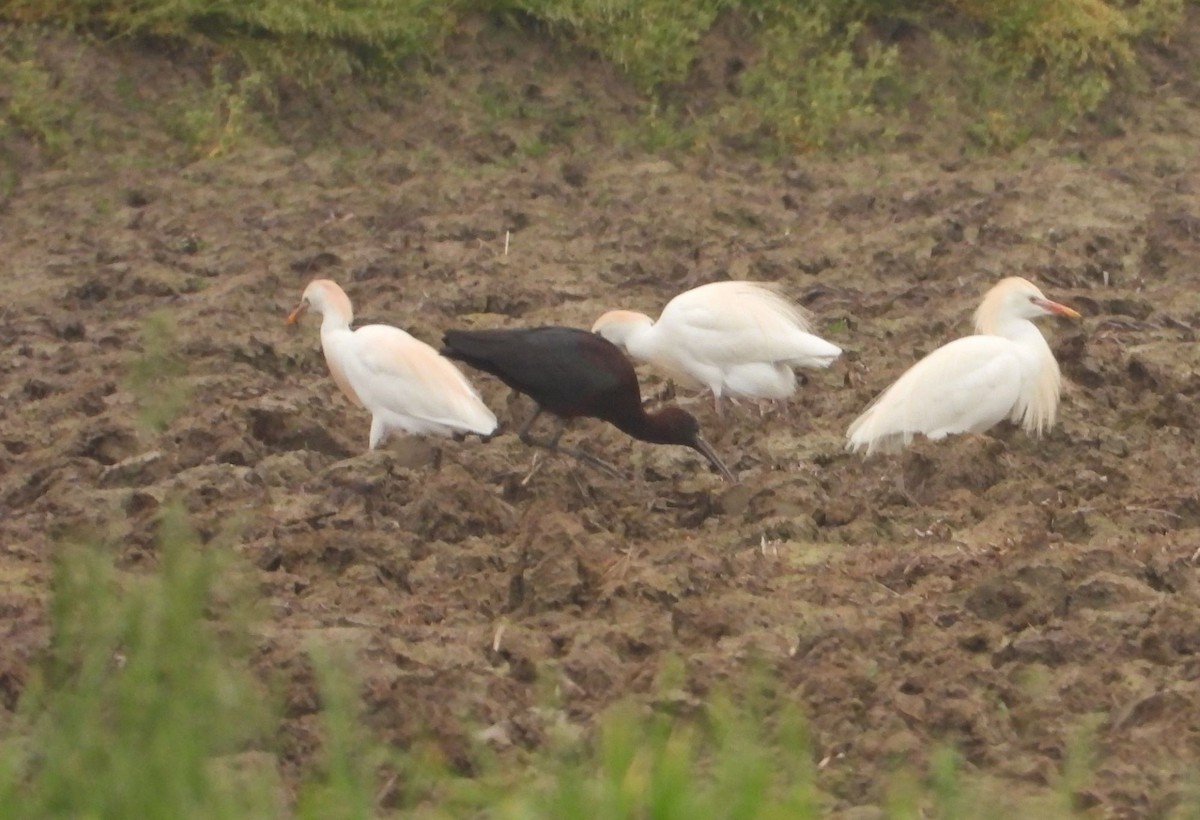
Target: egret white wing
394 372
745 322
968 385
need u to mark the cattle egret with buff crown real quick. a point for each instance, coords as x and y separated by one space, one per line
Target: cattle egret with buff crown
1006 371
403 382
738 339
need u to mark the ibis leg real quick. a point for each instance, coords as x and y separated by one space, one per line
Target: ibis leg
523 433
552 444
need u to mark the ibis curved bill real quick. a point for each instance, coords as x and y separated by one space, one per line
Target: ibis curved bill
739 339
971 384
573 373
400 380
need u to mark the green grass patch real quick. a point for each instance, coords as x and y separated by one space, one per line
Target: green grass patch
142 699
818 74
309 41
652 41
819 79
144 704
35 107
157 376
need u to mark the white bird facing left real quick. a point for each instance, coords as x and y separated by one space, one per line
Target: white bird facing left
736 338
404 383
972 384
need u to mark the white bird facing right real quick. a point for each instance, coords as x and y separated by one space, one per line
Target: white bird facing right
735 338
404 383
971 384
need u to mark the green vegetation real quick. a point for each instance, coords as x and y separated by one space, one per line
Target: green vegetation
809 74
813 79
652 41
224 115
142 702
650 765
156 377
33 106
307 40
145 706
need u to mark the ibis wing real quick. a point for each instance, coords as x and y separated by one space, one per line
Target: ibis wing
565 370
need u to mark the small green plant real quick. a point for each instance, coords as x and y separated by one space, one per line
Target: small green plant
652 41
1080 764
145 706
663 131
225 115
813 85
648 764
343 784
34 107
156 376
836 327
534 148
141 699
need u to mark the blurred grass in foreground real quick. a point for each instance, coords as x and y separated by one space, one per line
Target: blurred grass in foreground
145 706
143 701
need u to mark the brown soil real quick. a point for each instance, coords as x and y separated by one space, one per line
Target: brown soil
1020 591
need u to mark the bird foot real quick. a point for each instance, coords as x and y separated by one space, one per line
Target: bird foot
553 446
774 407
599 464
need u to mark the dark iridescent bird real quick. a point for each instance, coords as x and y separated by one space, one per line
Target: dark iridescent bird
573 373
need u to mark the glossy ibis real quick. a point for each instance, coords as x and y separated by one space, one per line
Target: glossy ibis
571 373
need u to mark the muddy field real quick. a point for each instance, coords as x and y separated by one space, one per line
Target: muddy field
1020 592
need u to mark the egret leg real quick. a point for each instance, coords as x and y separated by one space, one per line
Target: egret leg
664 394
902 488
378 433
552 445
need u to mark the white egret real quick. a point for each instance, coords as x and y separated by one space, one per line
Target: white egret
971 384
404 383
739 339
